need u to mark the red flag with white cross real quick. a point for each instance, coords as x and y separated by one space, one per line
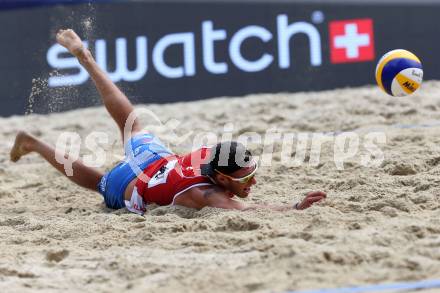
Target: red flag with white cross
351 40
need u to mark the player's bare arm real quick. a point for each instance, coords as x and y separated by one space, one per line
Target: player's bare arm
215 196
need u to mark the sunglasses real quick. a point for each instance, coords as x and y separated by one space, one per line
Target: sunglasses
241 180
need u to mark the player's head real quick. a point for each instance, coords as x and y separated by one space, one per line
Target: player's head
231 166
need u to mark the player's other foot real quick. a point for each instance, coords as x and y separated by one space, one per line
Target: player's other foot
70 40
22 146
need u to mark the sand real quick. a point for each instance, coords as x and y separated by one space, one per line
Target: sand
379 224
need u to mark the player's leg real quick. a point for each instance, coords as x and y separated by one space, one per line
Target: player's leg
115 101
82 175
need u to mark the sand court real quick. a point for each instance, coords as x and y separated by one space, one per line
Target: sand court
379 224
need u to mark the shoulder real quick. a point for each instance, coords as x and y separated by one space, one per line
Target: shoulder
208 191
203 196
215 196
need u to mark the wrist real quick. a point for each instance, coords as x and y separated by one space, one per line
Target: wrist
84 56
296 206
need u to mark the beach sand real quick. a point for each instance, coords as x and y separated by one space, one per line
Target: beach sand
379 224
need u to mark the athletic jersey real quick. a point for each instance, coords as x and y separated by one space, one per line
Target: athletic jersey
168 178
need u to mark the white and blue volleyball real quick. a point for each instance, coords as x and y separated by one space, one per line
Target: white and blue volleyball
399 73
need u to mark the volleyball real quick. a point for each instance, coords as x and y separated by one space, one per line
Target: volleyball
399 73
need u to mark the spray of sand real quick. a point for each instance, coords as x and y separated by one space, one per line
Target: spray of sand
47 99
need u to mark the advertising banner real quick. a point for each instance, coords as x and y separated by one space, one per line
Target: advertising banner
172 52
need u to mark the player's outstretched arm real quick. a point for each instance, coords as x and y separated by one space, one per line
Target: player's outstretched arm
308 201
216 197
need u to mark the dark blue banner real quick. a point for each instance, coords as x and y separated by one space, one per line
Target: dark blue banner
12 4
165 52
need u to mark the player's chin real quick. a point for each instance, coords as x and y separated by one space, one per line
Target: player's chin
244 192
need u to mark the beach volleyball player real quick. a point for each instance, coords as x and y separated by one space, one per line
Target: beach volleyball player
206 177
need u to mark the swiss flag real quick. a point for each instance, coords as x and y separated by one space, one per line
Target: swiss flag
351 40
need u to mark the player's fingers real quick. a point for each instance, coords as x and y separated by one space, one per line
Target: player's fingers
314 199
317 193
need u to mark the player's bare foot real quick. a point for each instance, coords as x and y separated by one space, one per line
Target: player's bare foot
70 40
22 146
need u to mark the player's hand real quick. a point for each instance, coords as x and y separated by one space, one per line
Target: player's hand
310 199
71 41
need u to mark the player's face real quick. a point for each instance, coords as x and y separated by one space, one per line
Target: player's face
242 187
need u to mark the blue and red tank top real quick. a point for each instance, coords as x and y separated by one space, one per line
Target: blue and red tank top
171 176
